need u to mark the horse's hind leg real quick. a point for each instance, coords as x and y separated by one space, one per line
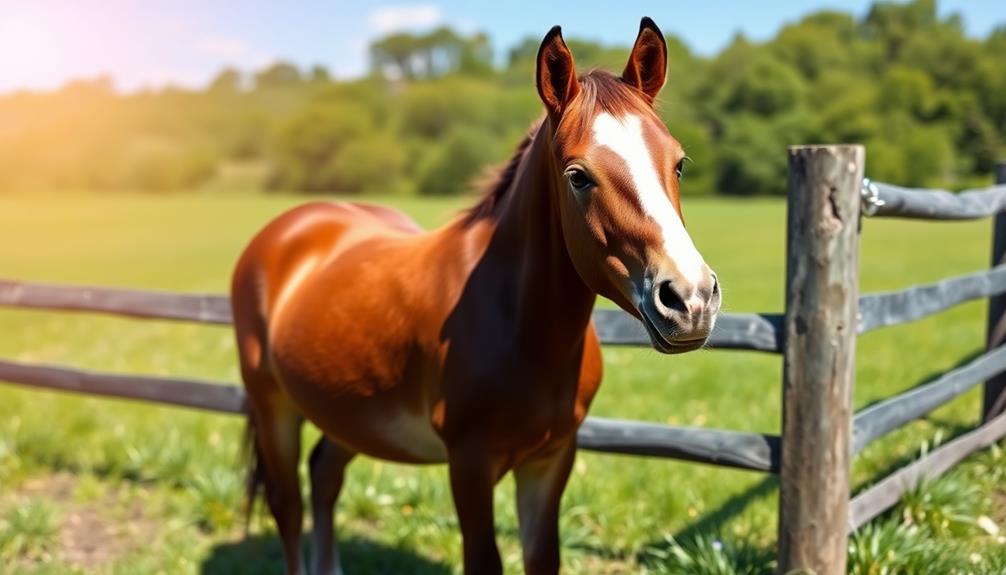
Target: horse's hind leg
277 435
328 467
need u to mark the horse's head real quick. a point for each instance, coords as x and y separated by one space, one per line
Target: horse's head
619 171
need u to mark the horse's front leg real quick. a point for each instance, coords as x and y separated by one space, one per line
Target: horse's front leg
540 483
473 477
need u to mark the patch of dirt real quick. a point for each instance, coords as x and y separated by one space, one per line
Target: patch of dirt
94 533
84 539
57 488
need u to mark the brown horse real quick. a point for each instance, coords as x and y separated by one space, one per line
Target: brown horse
473 344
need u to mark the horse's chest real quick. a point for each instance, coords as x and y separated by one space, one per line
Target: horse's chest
515 408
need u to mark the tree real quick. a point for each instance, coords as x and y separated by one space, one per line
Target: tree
443 51
811 48
395 56
370 164
279 75
228 81
320 74
451 169
908 89
893 24
308 143
751 156
430 110
753 81
476 55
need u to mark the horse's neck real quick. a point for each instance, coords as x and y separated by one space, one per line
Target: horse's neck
551 298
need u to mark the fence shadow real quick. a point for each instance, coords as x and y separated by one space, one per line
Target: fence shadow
706 525
263 555
710 522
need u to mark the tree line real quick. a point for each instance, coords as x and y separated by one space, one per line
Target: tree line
928 101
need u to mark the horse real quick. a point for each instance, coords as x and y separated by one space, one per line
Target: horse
472 344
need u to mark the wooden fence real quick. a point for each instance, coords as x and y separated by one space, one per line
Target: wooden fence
816 337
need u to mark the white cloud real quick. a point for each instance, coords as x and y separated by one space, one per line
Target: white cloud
394 18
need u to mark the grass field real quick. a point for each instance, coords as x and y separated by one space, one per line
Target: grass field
106 486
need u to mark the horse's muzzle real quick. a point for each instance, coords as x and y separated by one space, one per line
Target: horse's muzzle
679 316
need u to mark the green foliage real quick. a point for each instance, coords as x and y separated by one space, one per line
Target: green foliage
708 555
746 159
890 548
370 164
217 498
161 167
989 470
443 51
764 86
928 101
949 507
429 110
908 90
279 75
812 48
700 169
228 81
28 531
310 143
450 168
939 526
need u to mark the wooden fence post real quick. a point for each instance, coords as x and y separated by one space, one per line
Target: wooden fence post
822 290
995 388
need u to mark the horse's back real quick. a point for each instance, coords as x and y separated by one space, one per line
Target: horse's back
287 251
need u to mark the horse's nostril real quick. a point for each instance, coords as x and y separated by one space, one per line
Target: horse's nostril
716 285
670 298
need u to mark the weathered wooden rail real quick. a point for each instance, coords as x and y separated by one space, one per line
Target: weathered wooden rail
816 336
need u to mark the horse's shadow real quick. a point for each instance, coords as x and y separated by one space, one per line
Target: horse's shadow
263 555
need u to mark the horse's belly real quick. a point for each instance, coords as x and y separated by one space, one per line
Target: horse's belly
386 432
365 389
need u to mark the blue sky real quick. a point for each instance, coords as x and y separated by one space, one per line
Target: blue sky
44 43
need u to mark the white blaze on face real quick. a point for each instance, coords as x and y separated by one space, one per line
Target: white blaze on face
625 137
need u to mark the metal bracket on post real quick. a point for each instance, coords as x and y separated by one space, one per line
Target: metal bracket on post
870 195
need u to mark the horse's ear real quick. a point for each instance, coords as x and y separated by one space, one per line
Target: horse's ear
647 67
556 75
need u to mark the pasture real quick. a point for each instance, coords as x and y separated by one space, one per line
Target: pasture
112 486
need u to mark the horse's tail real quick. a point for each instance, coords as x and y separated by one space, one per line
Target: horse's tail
255 477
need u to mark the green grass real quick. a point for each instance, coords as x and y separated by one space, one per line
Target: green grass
28 530
175 472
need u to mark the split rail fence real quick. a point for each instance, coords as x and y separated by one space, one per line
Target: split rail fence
816 336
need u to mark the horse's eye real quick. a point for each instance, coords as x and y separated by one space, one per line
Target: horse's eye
579 179
680 168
